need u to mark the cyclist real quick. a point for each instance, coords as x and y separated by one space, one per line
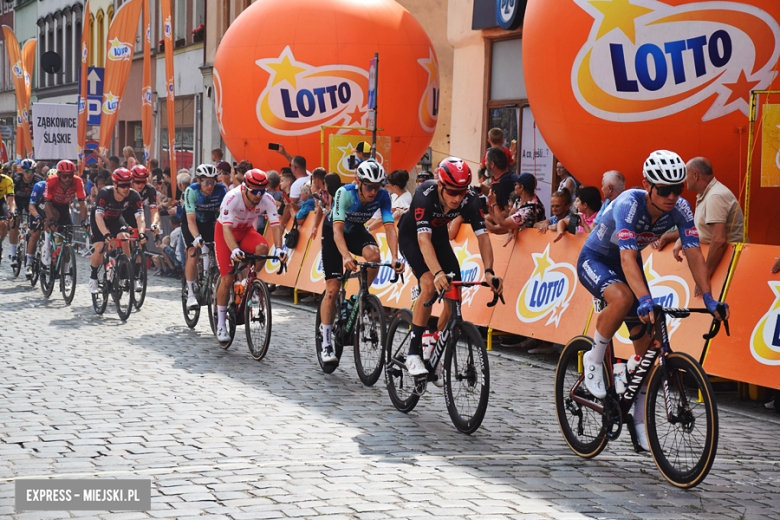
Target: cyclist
234 234
23 187
344 234
426 246
60 190
106 220
201 205
610 263
37 209
140 185
7 208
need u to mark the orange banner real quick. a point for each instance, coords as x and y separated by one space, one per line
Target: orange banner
312 275
81 137
146 87
752 353
28 62
165 6
270 272
22 101
119 58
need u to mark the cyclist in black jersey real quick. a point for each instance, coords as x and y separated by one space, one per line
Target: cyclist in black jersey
148 193
23 187
424 242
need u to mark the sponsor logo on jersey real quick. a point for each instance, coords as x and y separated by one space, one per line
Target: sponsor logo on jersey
631 211
119 51
547 292
765 339
625 234
419 213
646 238
693 232
429 102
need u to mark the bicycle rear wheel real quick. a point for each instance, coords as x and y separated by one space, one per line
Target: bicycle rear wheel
123 287
21 255
257 319
466 378
400 384
140 277
582 427
36 266
370 340
191 316
683 448
68 273
100 298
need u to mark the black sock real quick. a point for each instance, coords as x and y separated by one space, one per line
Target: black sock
415 342
93 273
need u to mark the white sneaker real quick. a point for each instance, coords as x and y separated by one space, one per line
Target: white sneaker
770 405
223 334
139 287
594 377
46 256
28 271
439 374
93 286
641 435
415 366
192 302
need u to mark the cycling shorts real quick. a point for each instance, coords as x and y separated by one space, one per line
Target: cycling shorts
248 239
115 226
206 230
64 214
596 272
3 209
356 240
410 248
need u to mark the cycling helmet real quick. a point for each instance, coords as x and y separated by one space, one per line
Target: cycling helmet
49 172
370 171
28 164
122 175
140 173
454 173
207 170
65 166
663 168
424 176
254 179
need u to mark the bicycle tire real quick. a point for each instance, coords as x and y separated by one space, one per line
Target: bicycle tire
230 319
210 297
47 279
400 384
68 273
257 319
685 466
466 361
123 287
36 264
583 428
191 316
328 368
21 253
140 273
369 342
100 298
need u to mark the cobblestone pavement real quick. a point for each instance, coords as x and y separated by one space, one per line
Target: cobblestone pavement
222 435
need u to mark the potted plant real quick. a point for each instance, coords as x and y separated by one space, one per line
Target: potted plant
161 45
198 33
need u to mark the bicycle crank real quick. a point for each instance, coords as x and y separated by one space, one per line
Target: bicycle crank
613 418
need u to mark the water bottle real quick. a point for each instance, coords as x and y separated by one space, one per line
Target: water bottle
427 344
631 365
621 378
428 352
238 289
109 269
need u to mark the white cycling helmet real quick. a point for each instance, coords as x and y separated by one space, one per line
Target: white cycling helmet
663 168
206 170
27 164
370 171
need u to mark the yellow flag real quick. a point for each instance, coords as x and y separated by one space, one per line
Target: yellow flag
770 147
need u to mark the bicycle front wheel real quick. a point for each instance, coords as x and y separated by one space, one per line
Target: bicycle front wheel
100 298
466 378
191 316
370 340
68 273
139 274
47 279
36 266
21 255
257 319
123 287
683 445
400 384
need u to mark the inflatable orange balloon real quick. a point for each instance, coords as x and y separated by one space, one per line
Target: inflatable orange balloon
610 81
286 67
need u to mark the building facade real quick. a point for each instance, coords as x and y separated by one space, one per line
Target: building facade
7 94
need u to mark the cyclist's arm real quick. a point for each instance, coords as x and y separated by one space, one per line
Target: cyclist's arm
633 273
486 251
101 223
83 210
32 210
276 231
155 217
392 241
11 202
698 267
49 210
455 226
192 223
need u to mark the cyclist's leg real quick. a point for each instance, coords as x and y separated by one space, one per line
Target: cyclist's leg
363 243
3 219
225 264
254 242
333 268
190 266
13 235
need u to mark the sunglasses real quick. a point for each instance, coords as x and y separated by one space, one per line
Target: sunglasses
122 185
455 193
257 193
372 187
209 182
665 191
139 182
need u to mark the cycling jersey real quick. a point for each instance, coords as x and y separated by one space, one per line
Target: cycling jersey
426 215
205 207
627 224
233 212
111 209
36 197
148 195
347 208
23 190
57 195
6 185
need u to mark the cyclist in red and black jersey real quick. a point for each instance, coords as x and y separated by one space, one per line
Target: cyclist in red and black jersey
148 195
60 190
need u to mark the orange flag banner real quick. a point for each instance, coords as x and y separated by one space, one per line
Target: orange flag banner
146 88
28 62
165 6
22 102
119 58
81 138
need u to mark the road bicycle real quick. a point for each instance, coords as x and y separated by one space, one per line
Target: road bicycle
465 368
140 272
680 410
36 261
20 220
249 305
205 286
62 265
115 277
359 321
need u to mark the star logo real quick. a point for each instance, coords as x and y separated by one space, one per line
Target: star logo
619 14
356 116
740 89
284 68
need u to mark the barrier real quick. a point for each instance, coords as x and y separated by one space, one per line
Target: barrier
269 273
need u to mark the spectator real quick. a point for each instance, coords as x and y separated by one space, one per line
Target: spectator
560 204
528 211
776 266
39 165
586 206
307 204
718 216
177 244
298 167
567 180
319 188
113 163
332 183
501 187
400 198
157 175
153 164
423 176
612 184
129 155
274 180
362 151
102 179
224 173
496 140
216 155
238 173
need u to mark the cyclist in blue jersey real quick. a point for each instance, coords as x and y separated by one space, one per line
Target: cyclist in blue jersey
37 218
201 206
344 234
610 264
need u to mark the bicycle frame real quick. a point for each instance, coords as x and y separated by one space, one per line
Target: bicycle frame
362 291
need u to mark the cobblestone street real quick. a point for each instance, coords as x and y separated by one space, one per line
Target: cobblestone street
224 436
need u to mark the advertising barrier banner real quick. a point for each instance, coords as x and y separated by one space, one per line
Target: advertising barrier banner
312 276
340 148
752 353
55 128
270 271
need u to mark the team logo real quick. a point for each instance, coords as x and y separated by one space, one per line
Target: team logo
470 271
110 103
218 100
146 96
645 59
18 70
693 232
147 154
167 29
429 102
317 271
382 286
148 34
84 52
765 340
299 98
625 234
170 91
547 293
119 51
419 213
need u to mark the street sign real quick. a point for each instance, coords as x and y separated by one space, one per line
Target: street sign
372 119
94 109
91 145
372 83
7 131
95 77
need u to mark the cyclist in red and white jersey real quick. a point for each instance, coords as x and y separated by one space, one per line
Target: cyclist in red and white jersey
60 190
235 234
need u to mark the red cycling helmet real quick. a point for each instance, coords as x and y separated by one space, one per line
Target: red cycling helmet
140 173
454 173
65 166
256 179
122 175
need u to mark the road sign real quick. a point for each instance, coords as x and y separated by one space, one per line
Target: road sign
91 145
7 131
95 77
94 109
372 83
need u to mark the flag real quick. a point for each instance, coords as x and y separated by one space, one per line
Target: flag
28 62
83 90
146 87
22 102
119 58
3 152
165 6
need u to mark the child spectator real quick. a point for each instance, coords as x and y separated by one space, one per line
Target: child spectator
586 207
496 139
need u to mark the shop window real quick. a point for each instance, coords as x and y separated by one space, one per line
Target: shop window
507 93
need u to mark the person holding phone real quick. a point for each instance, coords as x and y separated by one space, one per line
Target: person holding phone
501 188
528 211
586 207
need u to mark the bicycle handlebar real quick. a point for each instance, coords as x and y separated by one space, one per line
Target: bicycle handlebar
659 311
438 296
209 245
248 257
374 265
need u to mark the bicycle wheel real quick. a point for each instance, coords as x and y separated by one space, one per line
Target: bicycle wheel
123 287
211 294
257 319
400 384
230 319
47 279
582 427
466 378
68 273
21 255
370 340
139 275
684 447
100 298
36 266
191 316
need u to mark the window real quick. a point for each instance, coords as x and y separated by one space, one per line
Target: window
506 70
60 74
110 15
91 58
180 22
69 53
101 39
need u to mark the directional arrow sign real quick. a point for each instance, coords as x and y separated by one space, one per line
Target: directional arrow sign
95 81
